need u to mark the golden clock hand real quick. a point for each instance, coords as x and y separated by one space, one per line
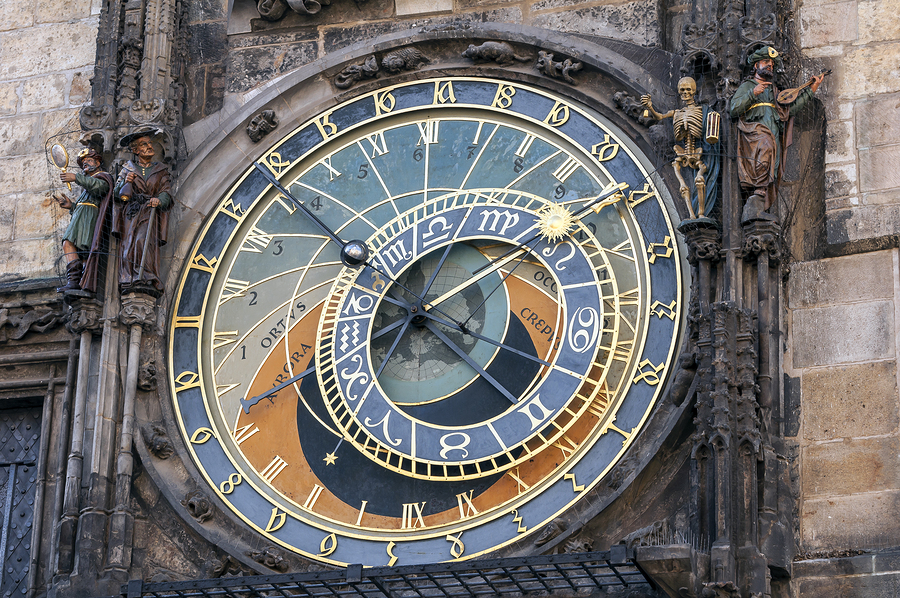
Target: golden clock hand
492 267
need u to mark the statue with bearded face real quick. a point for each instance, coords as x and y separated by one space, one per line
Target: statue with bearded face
764 131
696 130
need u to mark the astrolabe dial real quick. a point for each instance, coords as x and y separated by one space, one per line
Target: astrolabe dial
425 323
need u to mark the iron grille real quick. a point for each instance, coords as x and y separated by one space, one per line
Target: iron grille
557 574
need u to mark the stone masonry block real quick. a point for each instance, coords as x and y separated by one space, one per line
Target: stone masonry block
877 122
44 93
883 198
24 173
868 70
821 25
878 21
37 216
80 91
843 334
861 586
840 180
19 135
861 277
839 143
878 168
250 66
863 222
61 11
851 467
860 520
47 49
636 22
416 7
850 401
13 15
9 97
29 259
7 216
54 122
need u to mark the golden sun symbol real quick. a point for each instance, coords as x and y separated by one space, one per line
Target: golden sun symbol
555 222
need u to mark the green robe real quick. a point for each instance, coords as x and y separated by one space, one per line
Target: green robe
80 231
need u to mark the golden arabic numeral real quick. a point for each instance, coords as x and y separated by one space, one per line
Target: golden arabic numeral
558 115
443 92
187 380
503 97
326 127
201 435
276 520
390 553
660 309
201 262
606 150
637 197
517 519
275 163
234 210
575 485
458 547
328 545
227 487
666 246
187 321
384 103
649 375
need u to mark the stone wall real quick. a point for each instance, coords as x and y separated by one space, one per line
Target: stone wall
47 52
860 40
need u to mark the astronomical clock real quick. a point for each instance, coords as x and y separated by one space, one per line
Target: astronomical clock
426 322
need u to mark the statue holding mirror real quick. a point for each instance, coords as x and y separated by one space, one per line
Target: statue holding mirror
82 239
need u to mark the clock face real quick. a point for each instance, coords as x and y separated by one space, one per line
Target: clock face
479 372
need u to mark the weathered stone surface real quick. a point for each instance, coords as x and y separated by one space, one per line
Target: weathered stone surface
19 135
878 168
843 333
7 216
417 7
209 43
839 280
80 91
863 222
840 180
635 22
47 49
37 216
883 198
250 66
877 122
878 21
14 16
60 11
859 520
55 122
880 586
24 173
868 70
827 24
206 10
9 97
851 466
850 401
839 143
28 259
44 93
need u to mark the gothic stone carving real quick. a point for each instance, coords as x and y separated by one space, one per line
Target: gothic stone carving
261 125
199 507
557 70
356 72
157 442
271 557
500 52
14 327
633 108
404 59
138 308
147 376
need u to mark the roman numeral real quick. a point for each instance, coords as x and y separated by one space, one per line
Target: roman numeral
520 484
245 432
466 508
566 169
566 445
525 145
257 240
332 171
273 469
313 497
220 339
378 143
233 289
428 132
412 515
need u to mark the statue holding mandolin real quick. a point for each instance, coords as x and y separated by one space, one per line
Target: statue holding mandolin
764 130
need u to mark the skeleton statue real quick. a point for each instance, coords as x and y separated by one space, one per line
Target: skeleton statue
698 152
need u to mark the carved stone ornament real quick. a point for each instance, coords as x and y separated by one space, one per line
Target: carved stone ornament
199 507
146 112
147 376
138 308
261 125
15 326
404 59
270 557
273 10
553 529
356 72
703 240
720 589
633 108
500 52
226 567
95 117
549 67
759 236
157 442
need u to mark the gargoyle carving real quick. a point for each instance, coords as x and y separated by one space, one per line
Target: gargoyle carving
557 70
500 52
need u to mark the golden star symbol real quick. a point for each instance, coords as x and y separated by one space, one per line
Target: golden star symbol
330 458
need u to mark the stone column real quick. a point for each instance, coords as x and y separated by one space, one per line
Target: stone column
137 313
84 321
